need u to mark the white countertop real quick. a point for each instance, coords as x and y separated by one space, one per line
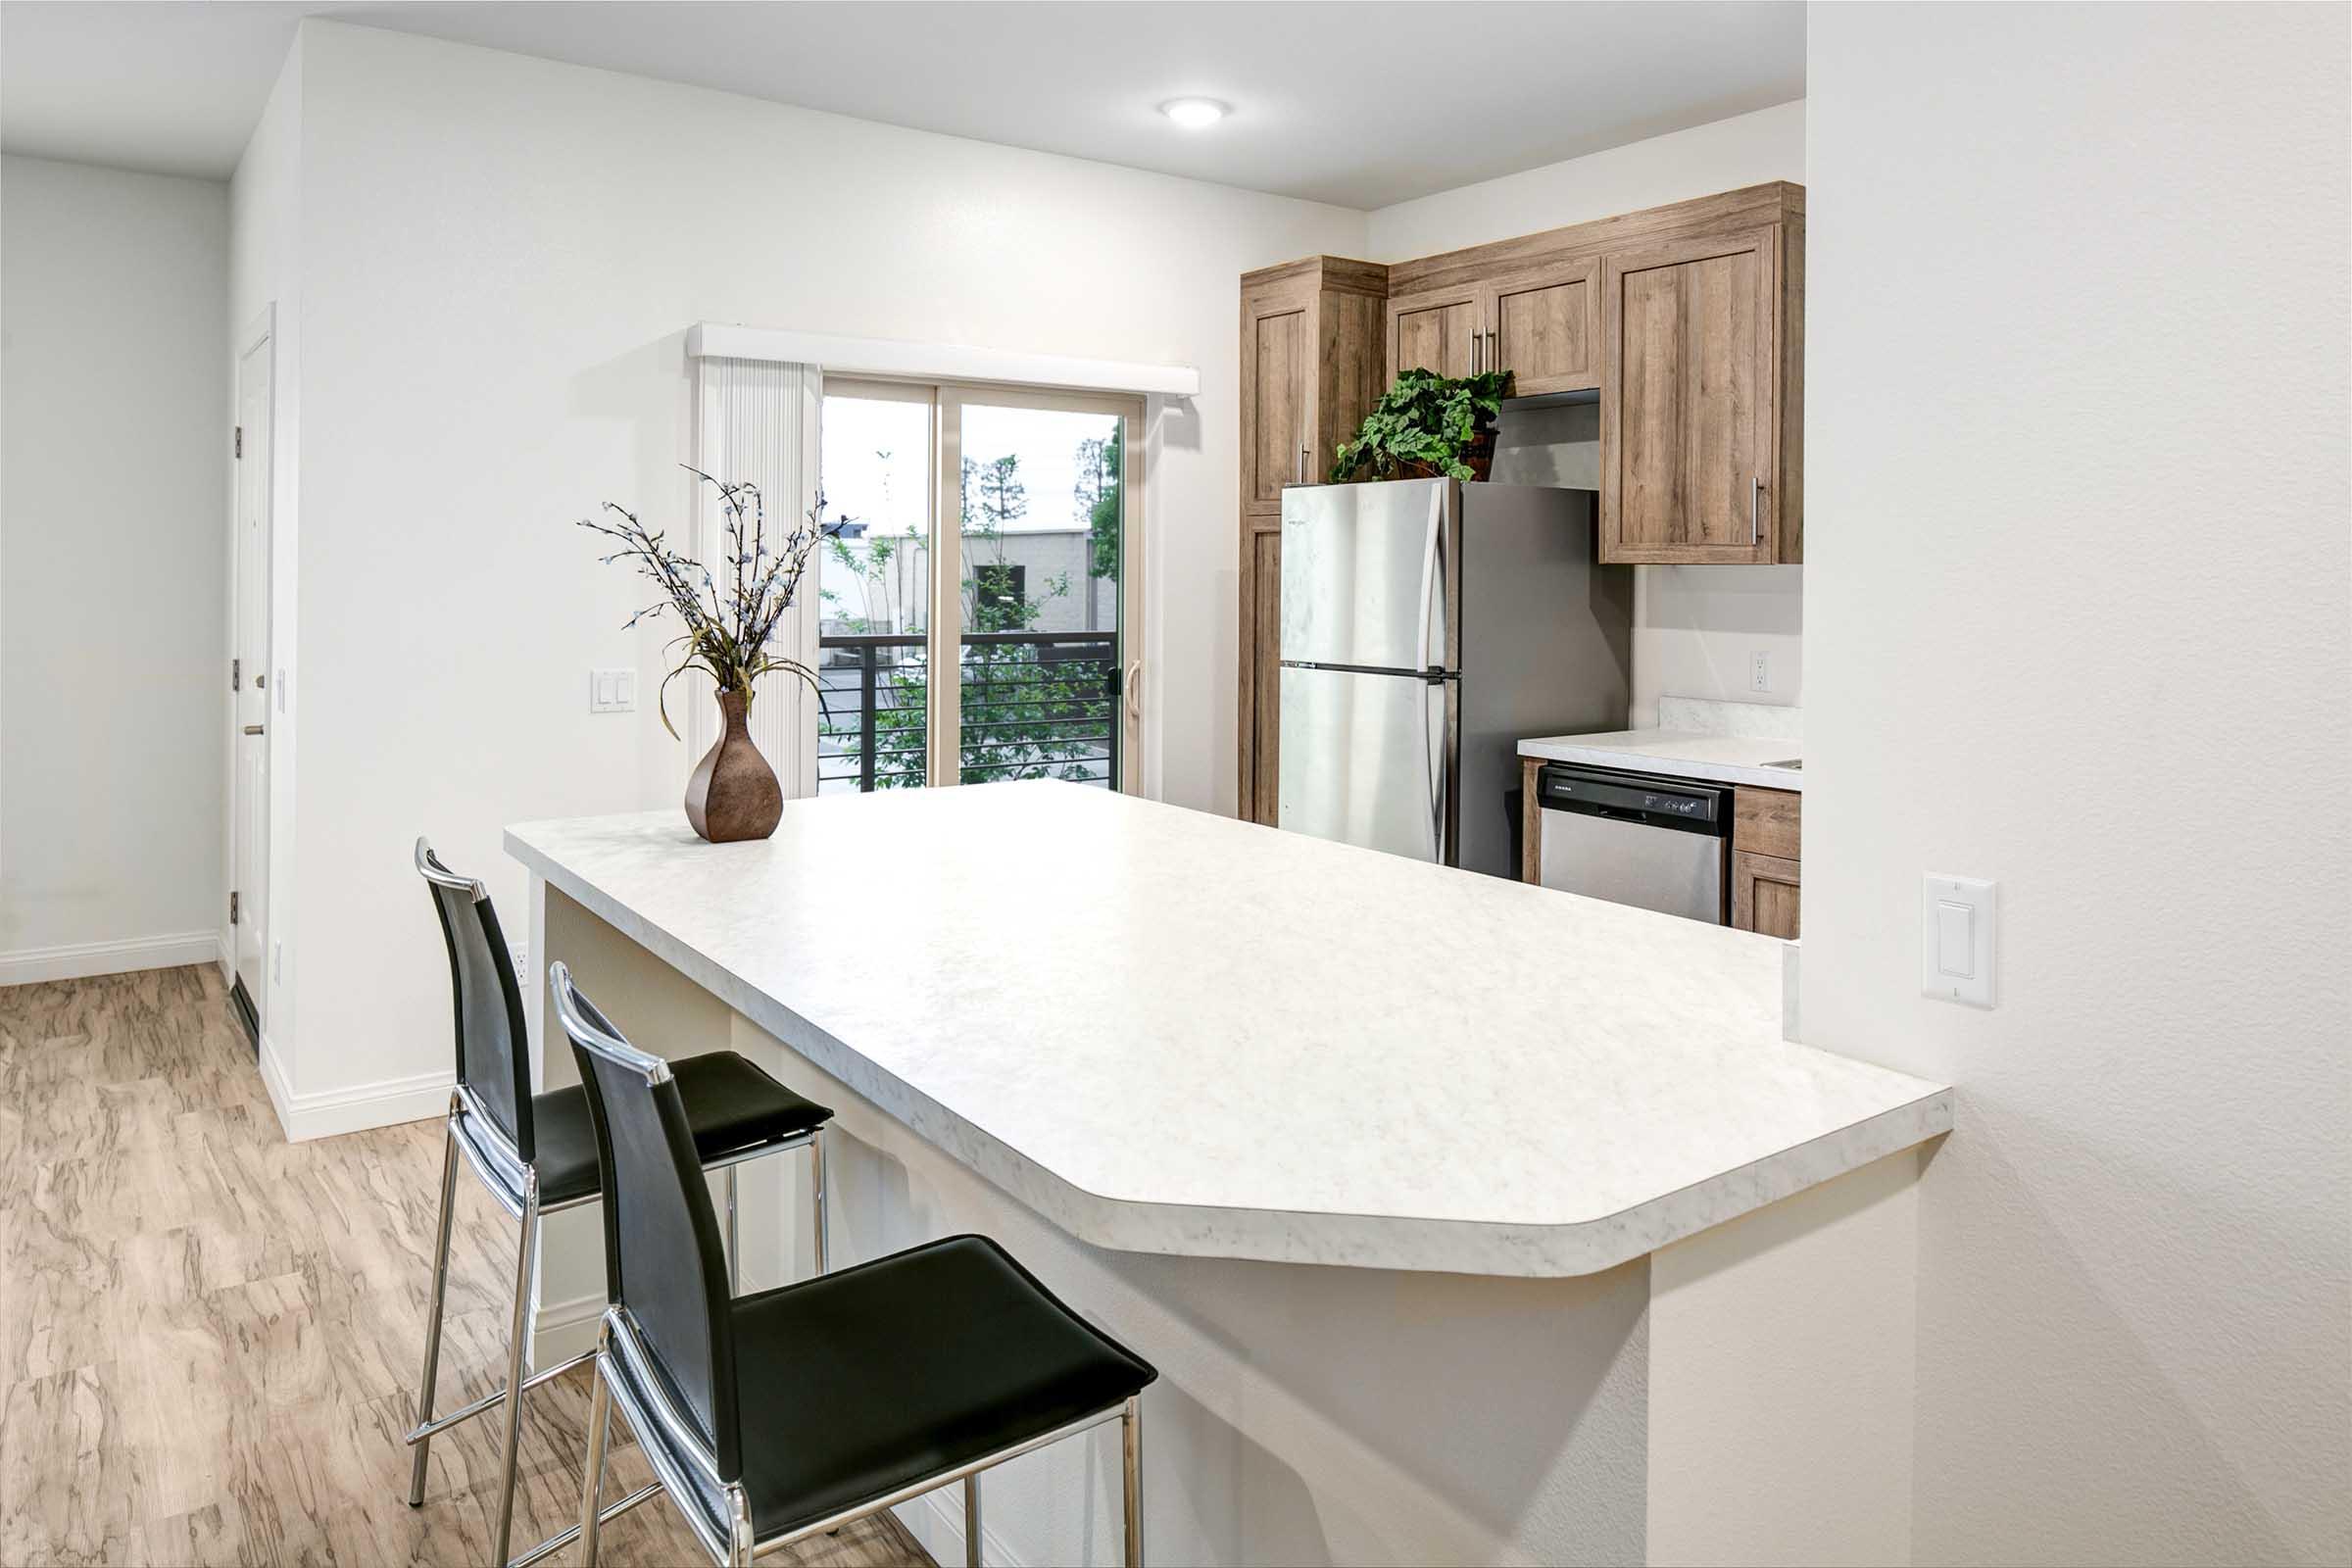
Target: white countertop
1679 754
1172 1032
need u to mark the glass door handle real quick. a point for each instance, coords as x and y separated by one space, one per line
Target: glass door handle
1134 688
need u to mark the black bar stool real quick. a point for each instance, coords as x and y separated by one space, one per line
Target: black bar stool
769 1418
537 1154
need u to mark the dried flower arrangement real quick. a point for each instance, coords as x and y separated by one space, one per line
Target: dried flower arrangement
729 617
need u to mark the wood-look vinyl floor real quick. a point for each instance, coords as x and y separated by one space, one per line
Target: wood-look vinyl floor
209 1337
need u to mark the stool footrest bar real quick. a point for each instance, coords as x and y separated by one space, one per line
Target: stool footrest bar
491 1402
571 1532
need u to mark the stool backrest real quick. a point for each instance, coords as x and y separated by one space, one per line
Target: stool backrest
665 1264
491 1062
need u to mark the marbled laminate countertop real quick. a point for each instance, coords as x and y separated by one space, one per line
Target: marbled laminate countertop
1172 1032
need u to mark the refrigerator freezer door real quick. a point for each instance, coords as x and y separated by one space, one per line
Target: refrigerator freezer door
1366 574
1367 760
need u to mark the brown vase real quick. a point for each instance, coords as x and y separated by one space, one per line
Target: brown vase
734 793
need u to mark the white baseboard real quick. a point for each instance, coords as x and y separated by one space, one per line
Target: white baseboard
80 960
936 1519
561 1330
226 955
273 1079
324 1114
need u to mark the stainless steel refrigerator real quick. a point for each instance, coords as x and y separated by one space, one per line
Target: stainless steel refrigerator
1427 627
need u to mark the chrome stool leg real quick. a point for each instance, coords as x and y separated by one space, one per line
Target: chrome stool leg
599 1414
433 1322
816 1189
734 1238
740 1540
971 1520
1131 1446
523 1261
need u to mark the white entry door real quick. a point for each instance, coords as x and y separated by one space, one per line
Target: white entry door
250 674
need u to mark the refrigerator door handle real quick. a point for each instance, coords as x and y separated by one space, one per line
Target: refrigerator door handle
1431 748
1429 576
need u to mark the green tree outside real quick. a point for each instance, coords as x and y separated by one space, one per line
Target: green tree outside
1025 713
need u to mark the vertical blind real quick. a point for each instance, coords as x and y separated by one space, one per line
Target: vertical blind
756 421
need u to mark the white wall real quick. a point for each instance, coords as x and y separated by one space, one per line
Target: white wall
264 287
113 684
1751 149
499 256
2078 614
1695 628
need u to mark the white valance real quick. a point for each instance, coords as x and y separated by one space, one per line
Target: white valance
935 362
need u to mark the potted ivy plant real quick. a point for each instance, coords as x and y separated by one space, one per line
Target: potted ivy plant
1427 426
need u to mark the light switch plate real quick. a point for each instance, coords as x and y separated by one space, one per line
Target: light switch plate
1956 939
611 690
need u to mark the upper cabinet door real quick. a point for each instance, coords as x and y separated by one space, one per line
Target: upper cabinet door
1277 391
1439 330
1689 421
1546 324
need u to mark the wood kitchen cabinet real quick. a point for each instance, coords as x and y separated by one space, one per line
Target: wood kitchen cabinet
1701 423
1765 846
1541 322
1764 895
1312 368
1545 327
1439 329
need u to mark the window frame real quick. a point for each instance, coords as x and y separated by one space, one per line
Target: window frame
944 698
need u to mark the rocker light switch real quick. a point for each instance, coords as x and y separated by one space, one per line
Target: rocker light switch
611 690
1955 939
1955 958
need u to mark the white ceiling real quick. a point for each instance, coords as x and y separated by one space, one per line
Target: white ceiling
1358 103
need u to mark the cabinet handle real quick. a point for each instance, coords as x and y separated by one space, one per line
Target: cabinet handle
1302 465
1756 513
1475 345
1494 350
253 729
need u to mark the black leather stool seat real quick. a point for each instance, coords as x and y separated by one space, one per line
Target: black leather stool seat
730 1103
856 1384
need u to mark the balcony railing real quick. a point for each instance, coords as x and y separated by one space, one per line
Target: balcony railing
1035 704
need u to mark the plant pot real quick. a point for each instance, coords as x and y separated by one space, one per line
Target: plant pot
1480 454
733 794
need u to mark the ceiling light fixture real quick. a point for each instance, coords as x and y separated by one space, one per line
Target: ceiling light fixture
1193 114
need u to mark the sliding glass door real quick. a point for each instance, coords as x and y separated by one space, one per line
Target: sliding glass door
978 614
874 590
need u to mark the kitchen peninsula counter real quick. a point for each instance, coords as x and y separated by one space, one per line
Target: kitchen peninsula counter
1184 1064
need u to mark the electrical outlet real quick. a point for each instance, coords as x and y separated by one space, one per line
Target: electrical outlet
523 959
1759 671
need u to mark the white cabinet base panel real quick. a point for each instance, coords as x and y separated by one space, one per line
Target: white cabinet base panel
1743 1395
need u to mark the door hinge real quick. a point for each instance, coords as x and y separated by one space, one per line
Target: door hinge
240 451
236 674
232 906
